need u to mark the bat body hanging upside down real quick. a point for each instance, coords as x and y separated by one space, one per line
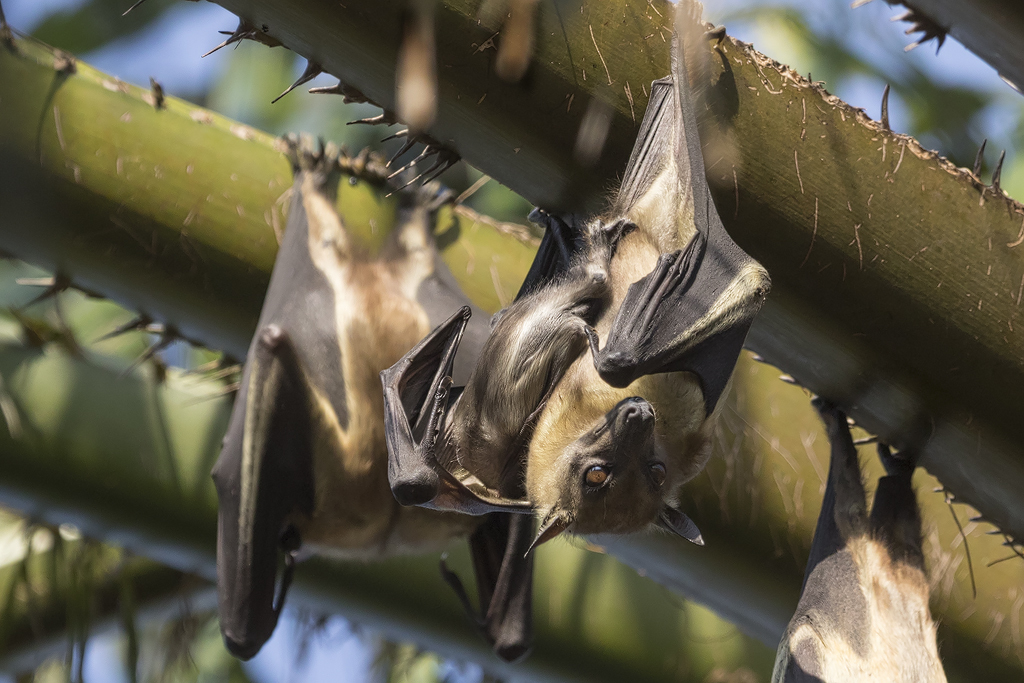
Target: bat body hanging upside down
603 436
863 612
304 463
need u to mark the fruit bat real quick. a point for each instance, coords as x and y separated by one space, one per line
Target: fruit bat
594 395
304 463
863 611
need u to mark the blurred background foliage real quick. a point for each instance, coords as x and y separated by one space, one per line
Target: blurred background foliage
950 101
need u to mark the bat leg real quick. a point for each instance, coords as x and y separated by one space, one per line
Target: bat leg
562 240
895 516
504 577
843 511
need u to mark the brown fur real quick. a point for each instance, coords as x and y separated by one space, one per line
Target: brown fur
378 320
582 399
901 646
863 614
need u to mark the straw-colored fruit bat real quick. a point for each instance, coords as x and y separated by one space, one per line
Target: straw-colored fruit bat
304 463
597 388
863 612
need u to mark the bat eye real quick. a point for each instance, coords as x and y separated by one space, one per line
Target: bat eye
596 476
657 474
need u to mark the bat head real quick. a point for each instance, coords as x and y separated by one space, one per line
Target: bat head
591 472
608 479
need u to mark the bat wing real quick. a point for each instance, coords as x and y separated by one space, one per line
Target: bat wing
692 312
418 389
416 399
562 240
504 578
264 475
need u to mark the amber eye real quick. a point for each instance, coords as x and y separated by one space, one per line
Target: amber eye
658 473
596 475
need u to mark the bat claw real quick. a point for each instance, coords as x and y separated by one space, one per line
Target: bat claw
416 491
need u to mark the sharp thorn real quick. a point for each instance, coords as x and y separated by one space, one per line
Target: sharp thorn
336 89
414 179
404 133
153 349
997 174
59 284
35 281
859 3
422 155
139 323
312 71
789 379
441 165
379 119
405 148
885 108
232 38
979 158
139 2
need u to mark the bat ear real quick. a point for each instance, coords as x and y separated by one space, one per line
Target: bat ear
674 520
553 525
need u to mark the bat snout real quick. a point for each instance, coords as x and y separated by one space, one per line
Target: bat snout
634 416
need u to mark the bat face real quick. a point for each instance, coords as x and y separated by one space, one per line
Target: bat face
610 478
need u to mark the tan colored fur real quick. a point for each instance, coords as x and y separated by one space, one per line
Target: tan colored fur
582 399
378 320
901 647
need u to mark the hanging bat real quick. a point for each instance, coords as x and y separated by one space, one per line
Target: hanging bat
863 611
304 463
602 436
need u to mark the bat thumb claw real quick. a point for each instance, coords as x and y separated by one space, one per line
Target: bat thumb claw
416 490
